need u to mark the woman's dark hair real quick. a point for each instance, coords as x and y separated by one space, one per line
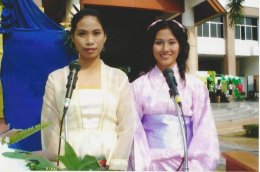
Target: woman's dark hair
86 12
181 34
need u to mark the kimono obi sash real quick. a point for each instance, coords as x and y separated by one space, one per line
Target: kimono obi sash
163 131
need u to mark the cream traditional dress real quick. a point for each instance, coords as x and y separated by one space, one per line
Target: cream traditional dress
99 119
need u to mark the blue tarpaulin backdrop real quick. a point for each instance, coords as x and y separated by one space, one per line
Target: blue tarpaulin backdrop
33 47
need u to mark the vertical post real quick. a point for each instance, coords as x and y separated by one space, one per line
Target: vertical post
230 57
188 21
193 59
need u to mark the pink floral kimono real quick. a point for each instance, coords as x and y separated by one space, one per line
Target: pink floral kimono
158 142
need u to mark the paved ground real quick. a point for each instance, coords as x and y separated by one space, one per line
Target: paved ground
230 117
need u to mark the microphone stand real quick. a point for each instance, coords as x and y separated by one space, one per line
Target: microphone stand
71 84
64 116
183 129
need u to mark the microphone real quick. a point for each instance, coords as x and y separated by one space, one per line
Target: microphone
174 94
171 81
72 79
71 84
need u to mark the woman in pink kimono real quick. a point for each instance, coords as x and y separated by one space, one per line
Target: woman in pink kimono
101 106
158 144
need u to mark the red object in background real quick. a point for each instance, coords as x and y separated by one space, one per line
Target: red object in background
102 162
240 88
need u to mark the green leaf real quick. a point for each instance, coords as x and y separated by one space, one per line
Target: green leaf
17 154
72 162
89 163
41 163
17 136
34 162
70 159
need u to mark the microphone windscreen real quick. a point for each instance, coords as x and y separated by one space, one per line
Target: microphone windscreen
167 72
74 65
169 76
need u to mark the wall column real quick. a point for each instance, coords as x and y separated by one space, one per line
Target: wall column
193 55
230 57
188 21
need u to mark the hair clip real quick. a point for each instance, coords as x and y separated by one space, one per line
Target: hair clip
180 25
153 23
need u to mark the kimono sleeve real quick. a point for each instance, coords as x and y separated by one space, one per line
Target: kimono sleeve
204 147
141 155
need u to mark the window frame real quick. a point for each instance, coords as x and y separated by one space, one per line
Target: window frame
247 28
206 29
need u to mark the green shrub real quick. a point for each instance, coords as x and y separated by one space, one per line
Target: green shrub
251 130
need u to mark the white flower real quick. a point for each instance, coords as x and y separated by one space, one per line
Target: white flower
7 140
4 140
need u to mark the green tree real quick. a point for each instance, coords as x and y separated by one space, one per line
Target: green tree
235 11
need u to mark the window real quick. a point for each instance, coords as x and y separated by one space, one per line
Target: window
206 30
246 29
213 28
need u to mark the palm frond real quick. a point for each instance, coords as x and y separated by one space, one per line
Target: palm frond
16 135
235 11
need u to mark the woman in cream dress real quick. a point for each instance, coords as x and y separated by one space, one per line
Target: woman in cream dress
101 107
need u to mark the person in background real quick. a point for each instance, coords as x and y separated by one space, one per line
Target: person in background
211 88
218 91
158 142
230 90
102 104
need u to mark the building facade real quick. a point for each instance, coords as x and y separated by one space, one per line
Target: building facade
232 51
214 46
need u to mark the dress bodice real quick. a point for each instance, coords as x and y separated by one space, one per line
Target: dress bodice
89 137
